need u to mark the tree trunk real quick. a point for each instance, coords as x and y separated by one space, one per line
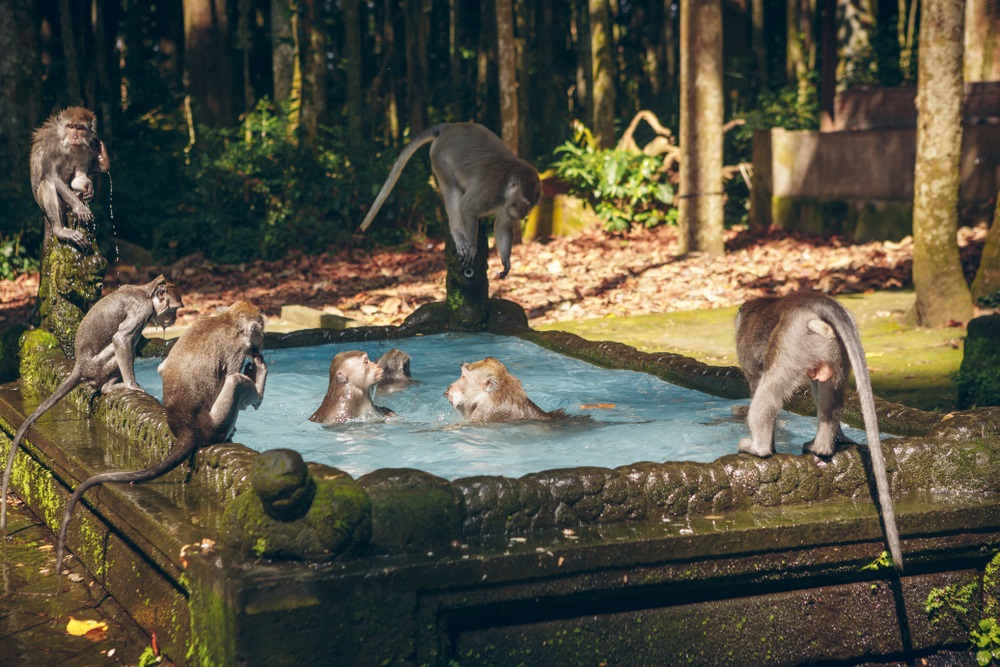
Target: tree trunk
416 65
982 40
794 56
21 92
942 293
669 49
282 49
352 53
828 65
243 41
66 23
988 276
206 52
700 197
313 72
391 104
602 67
758 43
508 74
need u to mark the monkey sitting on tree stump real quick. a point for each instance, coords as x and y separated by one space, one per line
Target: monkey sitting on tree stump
65 152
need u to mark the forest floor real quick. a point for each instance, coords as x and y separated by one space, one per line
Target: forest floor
590 275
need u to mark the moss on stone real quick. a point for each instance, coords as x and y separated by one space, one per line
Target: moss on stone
10 352
978 377
412 510
338 523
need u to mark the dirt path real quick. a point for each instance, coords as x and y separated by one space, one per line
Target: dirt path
590 275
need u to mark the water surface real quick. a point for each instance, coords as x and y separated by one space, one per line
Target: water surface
649 419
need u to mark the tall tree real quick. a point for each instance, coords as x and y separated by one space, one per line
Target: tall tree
758 43
282 48
602 66
313 70
417 84
982 40
508 74
942 293
352 54
700 197
21 90
206 51
66 22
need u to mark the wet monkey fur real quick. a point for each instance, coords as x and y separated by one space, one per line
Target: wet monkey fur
478 175
215 370
488 392
349 394
105 351
65 150
784 342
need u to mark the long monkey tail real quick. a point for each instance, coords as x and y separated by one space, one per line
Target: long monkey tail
67 386
182 449
425 137
848 332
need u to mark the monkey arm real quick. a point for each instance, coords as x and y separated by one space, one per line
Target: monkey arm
238 392
47 195
67 194
123 342
462 222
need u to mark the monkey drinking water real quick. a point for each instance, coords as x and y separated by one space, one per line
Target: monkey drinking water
488 392
782 343
478 175
352 377
65 150
105 350
215 370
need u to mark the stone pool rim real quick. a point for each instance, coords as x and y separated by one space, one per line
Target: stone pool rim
957 453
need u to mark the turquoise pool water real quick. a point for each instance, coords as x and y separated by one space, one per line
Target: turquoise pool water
651 420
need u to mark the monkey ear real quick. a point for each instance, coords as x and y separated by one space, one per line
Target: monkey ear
820 327
490 384
513 184
341 377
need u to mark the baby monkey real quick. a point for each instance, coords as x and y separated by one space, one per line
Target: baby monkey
395 365
352 377
784 342
105 350
487 392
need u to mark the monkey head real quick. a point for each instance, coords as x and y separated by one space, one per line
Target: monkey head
396 364
250 322
78 131
353 367
166 301
481 382
522 192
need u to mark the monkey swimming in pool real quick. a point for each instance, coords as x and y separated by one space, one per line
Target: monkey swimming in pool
783 342
348 396
478 175
488 392
214 370
105 351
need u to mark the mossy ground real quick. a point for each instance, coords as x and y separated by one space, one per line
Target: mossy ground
908 365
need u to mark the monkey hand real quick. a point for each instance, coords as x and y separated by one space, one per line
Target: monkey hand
466 253
82 213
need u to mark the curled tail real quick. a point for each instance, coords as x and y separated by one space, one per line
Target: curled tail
182 449
848 332
425 137
67 386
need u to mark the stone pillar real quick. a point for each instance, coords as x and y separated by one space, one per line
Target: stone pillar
71 282
467 295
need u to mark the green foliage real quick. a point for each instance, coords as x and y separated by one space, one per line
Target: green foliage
147 657
14 257
960 601
883 561
624 188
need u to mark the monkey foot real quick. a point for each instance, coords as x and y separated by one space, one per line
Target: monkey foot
747 447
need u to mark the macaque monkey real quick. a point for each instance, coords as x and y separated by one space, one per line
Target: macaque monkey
784 342
352 377
105 350
487 392
65 150
395 365
477 175
214 370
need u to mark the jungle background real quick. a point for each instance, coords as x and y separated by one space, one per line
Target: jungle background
249 137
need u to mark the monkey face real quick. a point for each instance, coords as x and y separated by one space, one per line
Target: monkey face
166 302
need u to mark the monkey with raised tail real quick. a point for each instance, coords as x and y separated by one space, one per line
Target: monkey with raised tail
478 176
65 150
105 350
784 342
214 370
488 392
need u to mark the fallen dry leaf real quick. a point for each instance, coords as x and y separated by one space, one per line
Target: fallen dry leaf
80 628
